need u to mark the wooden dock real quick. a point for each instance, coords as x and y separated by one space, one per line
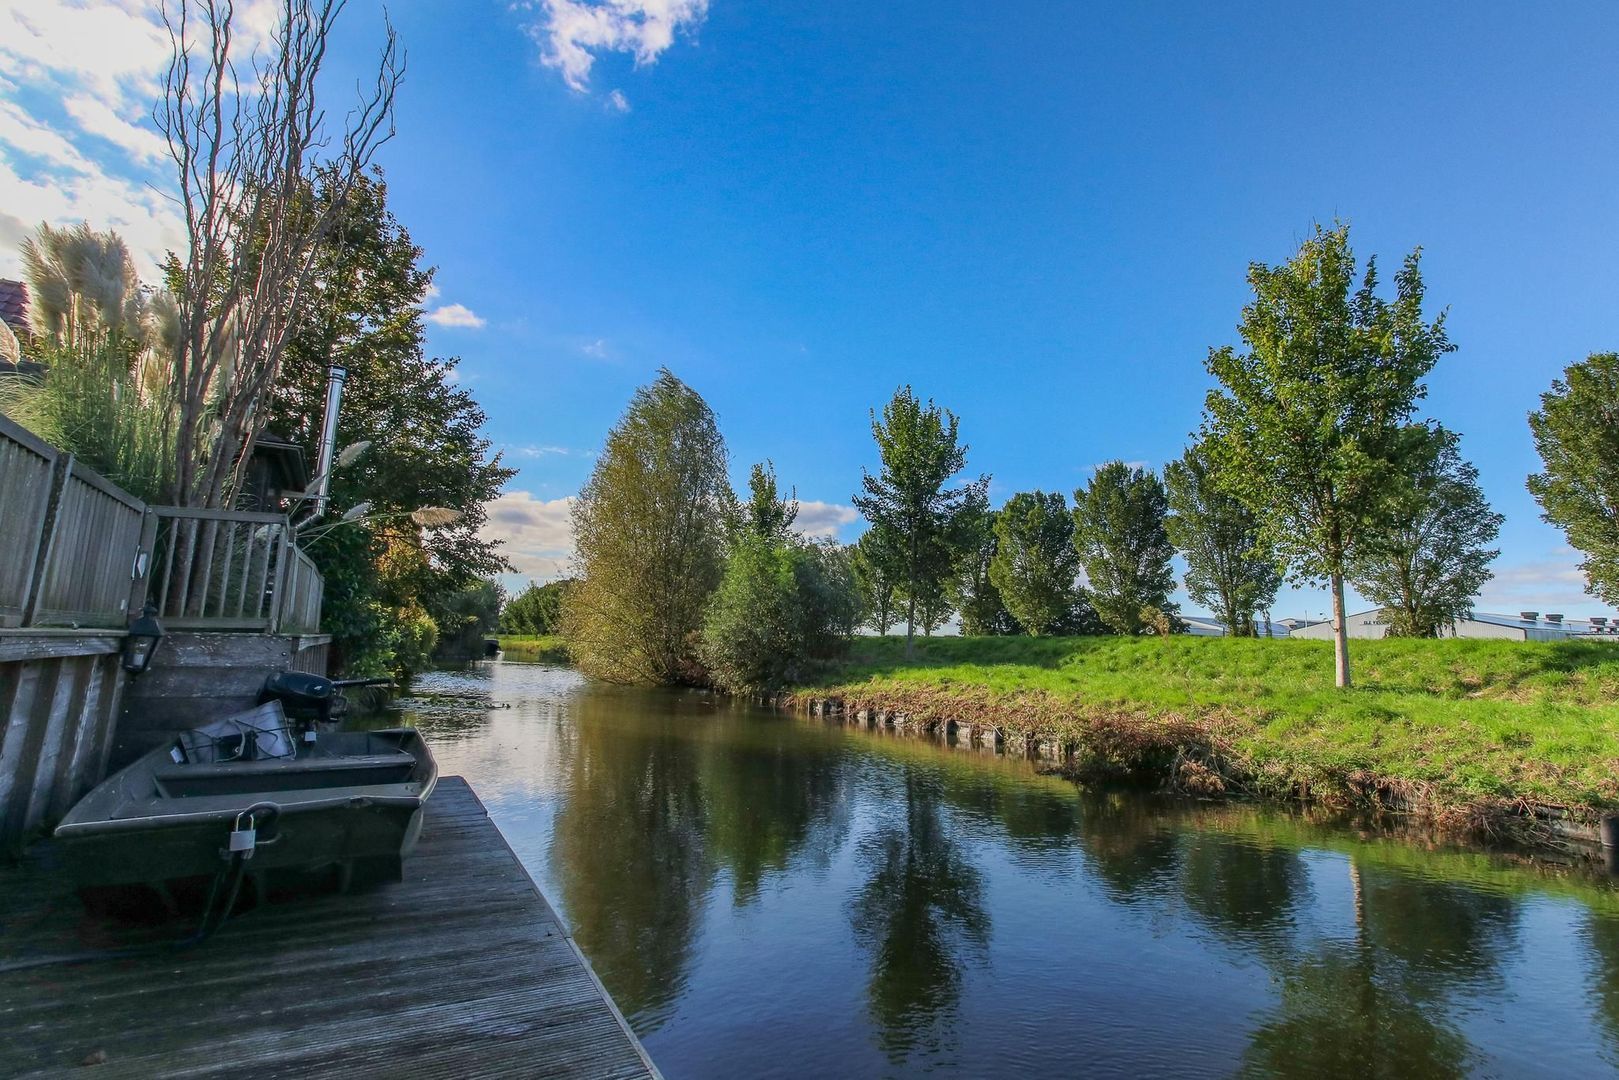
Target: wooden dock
462 970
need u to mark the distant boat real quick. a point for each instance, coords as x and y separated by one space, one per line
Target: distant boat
247 792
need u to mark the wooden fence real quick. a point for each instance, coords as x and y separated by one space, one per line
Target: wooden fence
78 551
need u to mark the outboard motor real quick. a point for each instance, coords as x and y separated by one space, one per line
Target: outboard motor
305 698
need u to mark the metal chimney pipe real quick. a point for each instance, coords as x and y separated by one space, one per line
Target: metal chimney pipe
336 376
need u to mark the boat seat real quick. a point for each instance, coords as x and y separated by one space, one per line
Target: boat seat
284 774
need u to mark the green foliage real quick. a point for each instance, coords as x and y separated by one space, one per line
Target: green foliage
463 619
105 344
537 610
1229 567
650 529
972 592
1035 564
916 518
1427 562
1309 426
363 309
782 605
875 586
1463 719
535 648
1124 548
1576 431
766 514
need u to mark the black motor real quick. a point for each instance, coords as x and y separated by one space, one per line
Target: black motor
304 696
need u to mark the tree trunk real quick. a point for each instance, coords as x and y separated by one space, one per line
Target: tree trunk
910 628
1340 631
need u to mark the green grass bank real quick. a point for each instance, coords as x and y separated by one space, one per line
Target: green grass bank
534 648
1489 736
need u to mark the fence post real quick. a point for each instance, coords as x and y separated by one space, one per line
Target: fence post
284 572
60 471
140 569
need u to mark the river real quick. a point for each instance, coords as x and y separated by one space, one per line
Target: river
769 895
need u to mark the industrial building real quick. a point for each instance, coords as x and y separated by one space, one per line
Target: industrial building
1525 626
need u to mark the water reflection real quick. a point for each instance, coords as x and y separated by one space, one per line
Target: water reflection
766 894
920 915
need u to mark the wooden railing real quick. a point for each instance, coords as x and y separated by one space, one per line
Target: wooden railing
77 550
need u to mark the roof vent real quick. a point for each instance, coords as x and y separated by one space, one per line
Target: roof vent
1599 621
1558 619
1528 616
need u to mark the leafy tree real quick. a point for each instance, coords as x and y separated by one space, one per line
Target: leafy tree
1308 426
876 588
972 592
650 529
766 513
1576 431
915 516
781 606
426 449
536 610
464 618
1427 562
1035 564
1230 569
1124 548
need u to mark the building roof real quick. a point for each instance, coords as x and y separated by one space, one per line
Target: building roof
1541 622
14 304
1207 626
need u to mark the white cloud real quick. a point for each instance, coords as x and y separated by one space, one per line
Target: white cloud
1550 584
618 102
597 348
572 32
96 117
536 534
456 315
824 518
547 451
78 79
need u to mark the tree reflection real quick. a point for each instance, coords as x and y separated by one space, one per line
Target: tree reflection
628 849
1131 846
1602 933
920 915
766 794
1244 890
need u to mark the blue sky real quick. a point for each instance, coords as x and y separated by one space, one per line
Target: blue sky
1038 214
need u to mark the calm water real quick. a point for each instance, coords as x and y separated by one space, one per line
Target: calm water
769 895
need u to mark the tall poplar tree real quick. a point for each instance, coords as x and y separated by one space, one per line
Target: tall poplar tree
650 529
1124 548
916 517
1576 430
1230 569
1309 425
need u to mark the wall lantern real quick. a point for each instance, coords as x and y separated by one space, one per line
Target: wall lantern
141 641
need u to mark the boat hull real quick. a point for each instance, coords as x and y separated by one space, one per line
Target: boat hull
357 803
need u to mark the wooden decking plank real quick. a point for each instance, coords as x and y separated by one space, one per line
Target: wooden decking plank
462 969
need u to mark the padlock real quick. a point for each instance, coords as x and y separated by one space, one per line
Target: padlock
243 840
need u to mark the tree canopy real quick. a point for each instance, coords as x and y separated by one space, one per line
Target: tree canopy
1428 560
1230 567
1035 564
650 529
1124 548
1576 430
423 432
915 515
1308 426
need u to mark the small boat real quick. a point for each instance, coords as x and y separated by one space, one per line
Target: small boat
250 792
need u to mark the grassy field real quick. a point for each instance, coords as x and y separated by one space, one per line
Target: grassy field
534 648
1456 725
